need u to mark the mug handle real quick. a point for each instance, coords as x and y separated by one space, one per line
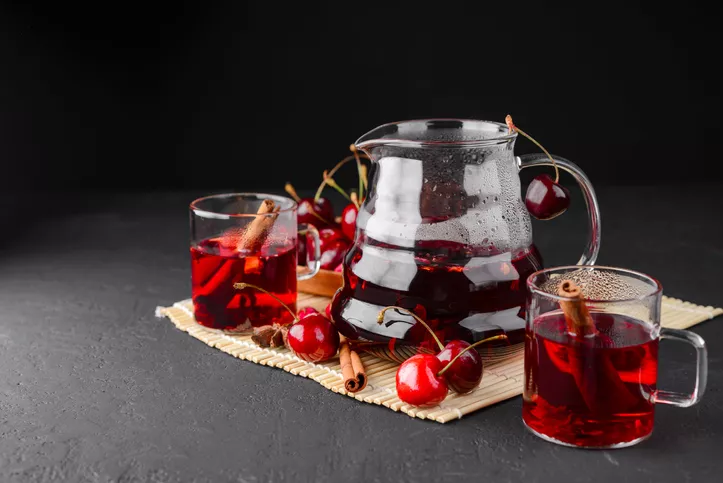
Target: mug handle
701 375
592 249
312 241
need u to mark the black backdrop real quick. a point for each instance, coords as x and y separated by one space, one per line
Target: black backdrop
245 95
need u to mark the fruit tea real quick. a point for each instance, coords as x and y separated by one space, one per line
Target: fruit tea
439 289
590 391
217 263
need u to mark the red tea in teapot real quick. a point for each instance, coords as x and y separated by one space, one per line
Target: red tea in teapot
460 297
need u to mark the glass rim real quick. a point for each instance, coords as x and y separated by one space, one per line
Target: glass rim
194 205
655 283
372 138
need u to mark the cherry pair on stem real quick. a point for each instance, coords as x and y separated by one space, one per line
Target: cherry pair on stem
425 379
312 337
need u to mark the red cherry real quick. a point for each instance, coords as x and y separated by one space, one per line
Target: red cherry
546 199
319 213
334 254
329 235
327 311
333 247
465 373
314 338
339 268
306 311
348 220
418 382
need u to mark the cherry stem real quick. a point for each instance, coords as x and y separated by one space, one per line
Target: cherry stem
289 188
321 218
330 182
489 339
243 285
334 170
512 127
331 173
380 319
355 200
362 181
365 178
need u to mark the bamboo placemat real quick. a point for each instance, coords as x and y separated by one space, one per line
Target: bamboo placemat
502 380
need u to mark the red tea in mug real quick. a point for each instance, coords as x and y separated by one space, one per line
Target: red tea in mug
591 392
217 264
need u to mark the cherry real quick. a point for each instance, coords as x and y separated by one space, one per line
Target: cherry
315 211
348 217
464 367
314 338
348 220
418 381
306 311
334 254
327 311
465 373
333 247
329 235
545 199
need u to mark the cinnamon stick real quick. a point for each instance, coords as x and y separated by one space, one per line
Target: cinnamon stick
256 232
596 377
576 313
352 368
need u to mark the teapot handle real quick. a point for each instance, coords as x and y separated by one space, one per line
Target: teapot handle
590 254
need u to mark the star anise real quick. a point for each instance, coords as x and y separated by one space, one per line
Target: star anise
270 335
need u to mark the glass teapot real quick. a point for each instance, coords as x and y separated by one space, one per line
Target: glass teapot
444 232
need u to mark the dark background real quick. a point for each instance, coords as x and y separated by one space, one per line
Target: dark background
169 102
245 95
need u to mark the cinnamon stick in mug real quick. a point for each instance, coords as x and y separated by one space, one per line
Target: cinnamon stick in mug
256 232
595 376
576 313
352 368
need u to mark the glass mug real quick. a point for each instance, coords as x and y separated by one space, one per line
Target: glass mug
591 360
234 239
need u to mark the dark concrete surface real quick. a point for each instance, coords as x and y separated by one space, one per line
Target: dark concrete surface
94 388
